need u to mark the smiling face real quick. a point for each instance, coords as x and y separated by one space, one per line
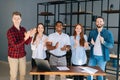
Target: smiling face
40 28
99 22
16 20
78 29
59 27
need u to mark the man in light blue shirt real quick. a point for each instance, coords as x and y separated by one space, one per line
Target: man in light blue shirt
58 44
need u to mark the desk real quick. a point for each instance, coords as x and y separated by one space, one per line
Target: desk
74 70
114 56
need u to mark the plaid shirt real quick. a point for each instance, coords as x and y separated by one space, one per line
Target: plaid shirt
16 43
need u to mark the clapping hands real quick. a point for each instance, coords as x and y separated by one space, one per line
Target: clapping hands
29 33
76 43
101 39
32 32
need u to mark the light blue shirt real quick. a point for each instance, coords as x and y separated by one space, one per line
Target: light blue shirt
78 54
63 39
38 51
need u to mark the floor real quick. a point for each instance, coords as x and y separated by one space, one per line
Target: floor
4 72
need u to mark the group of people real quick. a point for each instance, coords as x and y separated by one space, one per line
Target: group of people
58 43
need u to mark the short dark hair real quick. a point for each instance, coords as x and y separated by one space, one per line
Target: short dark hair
16 13
100 17
59 22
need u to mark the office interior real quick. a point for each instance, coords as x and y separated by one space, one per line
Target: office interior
70 12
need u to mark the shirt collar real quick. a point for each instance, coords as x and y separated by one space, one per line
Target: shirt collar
58 33
16 28
101 30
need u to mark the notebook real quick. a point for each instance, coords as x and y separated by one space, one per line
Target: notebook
43 65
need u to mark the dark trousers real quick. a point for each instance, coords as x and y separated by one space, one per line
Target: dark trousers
78 77
35 77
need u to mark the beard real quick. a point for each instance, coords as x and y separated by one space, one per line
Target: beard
99 26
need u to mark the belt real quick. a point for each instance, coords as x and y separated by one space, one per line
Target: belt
58 56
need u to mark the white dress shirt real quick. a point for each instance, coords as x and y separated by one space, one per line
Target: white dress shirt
62 39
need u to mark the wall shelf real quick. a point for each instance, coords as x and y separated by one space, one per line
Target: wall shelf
46 14
76 13
57 12
111 11
52 3
116 42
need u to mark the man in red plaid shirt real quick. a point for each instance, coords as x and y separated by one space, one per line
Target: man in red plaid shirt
17 38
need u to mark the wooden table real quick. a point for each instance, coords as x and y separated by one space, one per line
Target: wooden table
73 70
114 56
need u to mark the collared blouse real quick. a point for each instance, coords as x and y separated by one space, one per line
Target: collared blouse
78 54
39 50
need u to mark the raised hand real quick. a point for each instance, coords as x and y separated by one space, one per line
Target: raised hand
27 35
76 43
32 32
56 45
101 39
92 41
65 48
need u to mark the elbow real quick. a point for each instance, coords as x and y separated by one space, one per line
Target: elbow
111 46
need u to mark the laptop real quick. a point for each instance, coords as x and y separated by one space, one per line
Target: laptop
43 65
